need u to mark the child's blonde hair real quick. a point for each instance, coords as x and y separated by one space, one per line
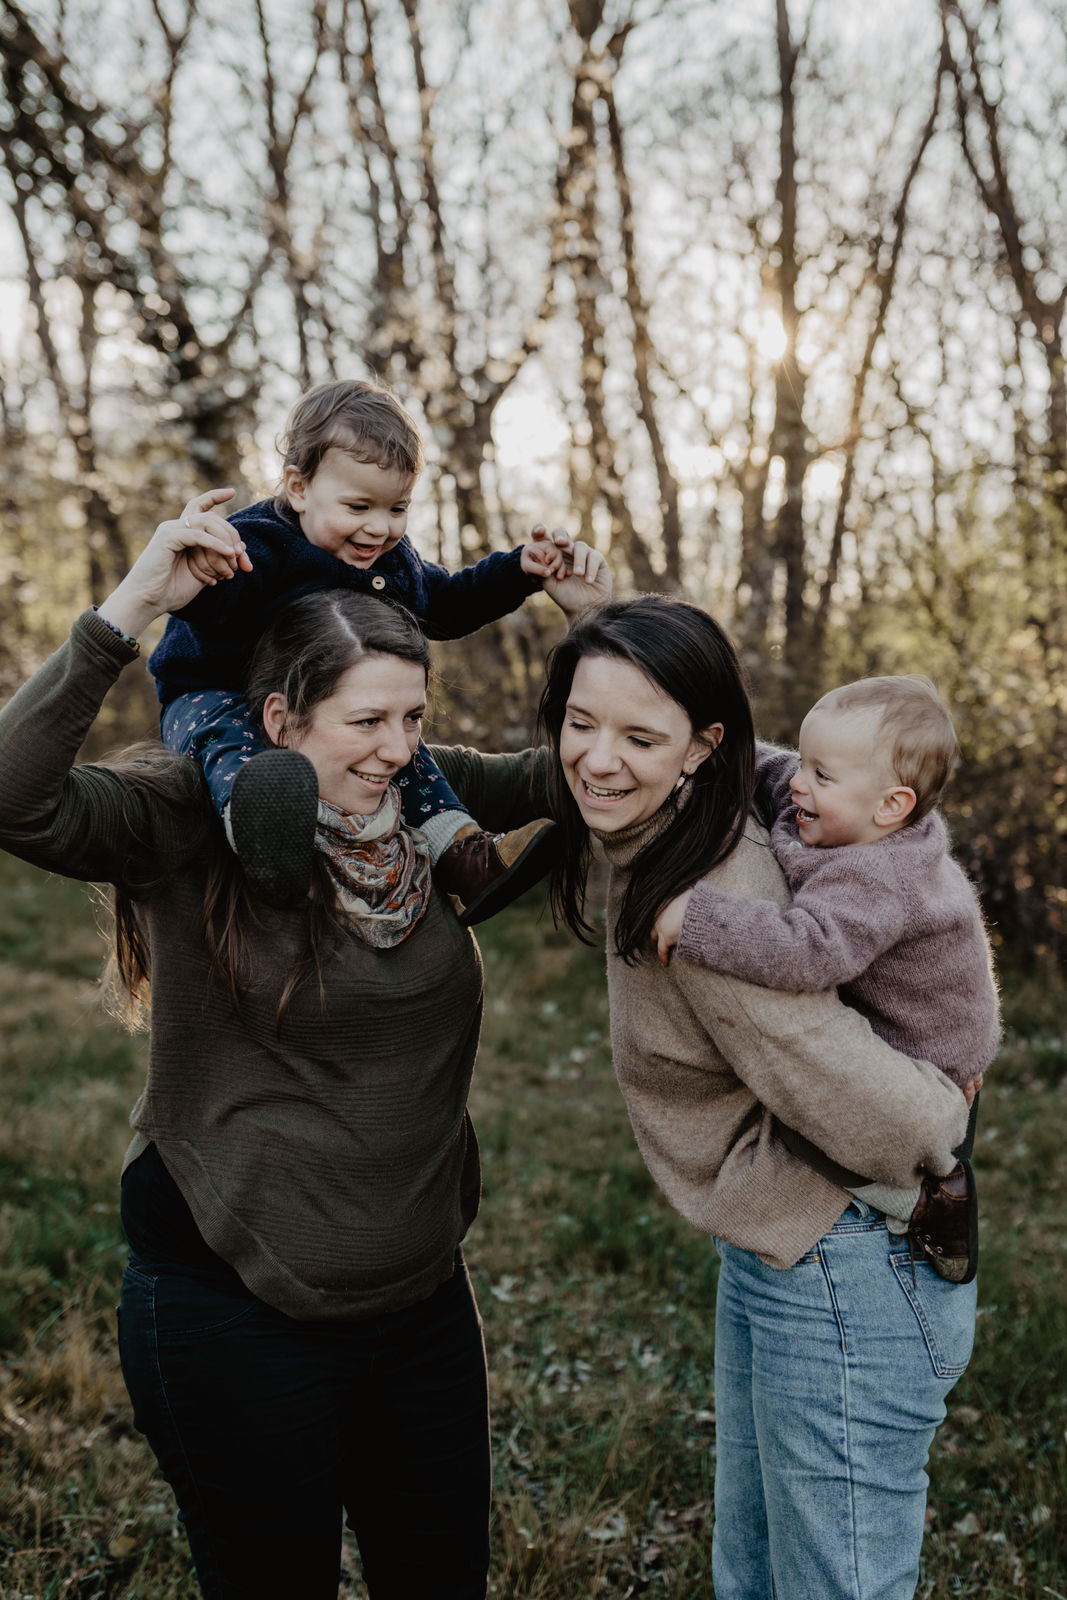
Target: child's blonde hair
365 419
915 724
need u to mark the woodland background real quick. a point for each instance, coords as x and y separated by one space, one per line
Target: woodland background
765 298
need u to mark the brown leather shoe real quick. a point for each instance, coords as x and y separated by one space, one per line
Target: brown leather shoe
483 872
944 1224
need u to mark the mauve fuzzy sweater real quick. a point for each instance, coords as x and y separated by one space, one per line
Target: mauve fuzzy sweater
895 924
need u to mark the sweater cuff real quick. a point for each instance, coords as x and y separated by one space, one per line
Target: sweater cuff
529 583
699 925
91 626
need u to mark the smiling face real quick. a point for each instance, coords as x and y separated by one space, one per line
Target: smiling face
352 509
844 788
359 737
624 744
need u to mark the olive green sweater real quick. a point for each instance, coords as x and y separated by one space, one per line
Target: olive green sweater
331 1162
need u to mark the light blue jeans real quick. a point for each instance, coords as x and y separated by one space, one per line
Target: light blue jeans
830 1382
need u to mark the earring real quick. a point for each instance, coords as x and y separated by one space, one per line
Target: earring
681 781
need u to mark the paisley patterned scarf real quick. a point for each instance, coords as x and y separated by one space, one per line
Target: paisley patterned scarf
380 869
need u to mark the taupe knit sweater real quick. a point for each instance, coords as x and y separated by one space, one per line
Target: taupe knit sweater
333 1163
709 1066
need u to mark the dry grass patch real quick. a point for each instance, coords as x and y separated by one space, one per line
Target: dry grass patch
598 1301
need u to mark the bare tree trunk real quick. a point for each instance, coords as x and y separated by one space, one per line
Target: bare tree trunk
280 141
885 282
995 191
52 141
642 340
458 395
105 548
109 558
389 339
12 615
789 441
577 246
756 577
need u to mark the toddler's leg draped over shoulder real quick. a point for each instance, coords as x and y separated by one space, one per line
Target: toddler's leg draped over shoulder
214 727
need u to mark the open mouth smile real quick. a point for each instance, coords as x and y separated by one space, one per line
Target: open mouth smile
603 794
805 816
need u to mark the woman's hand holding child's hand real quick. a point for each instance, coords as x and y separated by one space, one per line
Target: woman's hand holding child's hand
667 928
574 575
543 556
205 562
182 556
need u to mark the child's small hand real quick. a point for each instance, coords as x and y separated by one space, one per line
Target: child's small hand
209 563
970 1090
544 556
667 928
209 566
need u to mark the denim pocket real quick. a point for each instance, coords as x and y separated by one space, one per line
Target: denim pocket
188 1308
207 1317
946 1313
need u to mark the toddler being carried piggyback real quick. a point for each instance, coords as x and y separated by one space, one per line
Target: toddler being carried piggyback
879 908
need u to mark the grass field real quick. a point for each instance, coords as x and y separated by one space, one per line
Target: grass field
597 1300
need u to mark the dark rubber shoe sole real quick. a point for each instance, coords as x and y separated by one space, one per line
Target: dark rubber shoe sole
274 809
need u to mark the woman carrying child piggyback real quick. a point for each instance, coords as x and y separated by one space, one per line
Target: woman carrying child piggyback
835 1344
879 909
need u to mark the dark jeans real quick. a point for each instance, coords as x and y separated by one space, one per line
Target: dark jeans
268 1430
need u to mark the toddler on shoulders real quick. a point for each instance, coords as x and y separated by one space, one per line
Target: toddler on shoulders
351 458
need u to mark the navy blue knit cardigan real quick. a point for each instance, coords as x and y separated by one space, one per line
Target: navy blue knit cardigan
209 644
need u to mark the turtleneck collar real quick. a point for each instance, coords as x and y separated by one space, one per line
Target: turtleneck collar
622 846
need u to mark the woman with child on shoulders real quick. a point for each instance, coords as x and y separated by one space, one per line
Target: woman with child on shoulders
297 1329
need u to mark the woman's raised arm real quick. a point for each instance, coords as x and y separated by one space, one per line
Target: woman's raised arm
92 822
502 791
95 823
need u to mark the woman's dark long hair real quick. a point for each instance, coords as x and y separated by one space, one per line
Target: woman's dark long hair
302 654
681 650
